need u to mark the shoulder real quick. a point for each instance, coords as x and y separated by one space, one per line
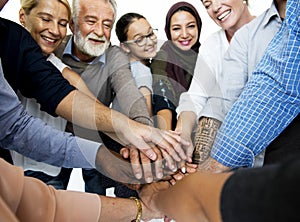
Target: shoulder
214 39
138 67
116 59
215 44
16 34
115 52
161 56
60 49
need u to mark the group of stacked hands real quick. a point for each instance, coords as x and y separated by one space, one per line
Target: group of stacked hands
263 108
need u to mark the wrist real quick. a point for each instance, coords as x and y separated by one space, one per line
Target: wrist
139 209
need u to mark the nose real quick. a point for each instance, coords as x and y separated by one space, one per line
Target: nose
184 32
216 5
98 30
54 29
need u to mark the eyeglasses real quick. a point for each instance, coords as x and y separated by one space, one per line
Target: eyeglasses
142 40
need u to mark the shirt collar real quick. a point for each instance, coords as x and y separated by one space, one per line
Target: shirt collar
272 13
68 51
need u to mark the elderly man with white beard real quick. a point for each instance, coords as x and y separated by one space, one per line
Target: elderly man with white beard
106 71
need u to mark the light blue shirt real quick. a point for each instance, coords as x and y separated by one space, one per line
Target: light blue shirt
68 51
270 100
33 138
244 53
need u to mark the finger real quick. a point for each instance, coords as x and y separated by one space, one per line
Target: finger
176 146
174 133
158 164
191 168
135 163
166 219
145 148
189 152
164 141
178 176
133 186
172 181
125 152
170 163
182 167
177 136
146 163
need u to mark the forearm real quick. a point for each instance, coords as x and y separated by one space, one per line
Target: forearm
204 138
82 110
75 80
31 200
164 119
186 122
117 209
148 97
60 205
195 198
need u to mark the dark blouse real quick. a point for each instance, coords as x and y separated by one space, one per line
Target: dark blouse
26 68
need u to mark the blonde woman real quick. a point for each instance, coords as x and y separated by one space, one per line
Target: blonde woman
47 23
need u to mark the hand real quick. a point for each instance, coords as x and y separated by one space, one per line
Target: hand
142 165
212 166
111 164
148 193
189 149
179 175
141 136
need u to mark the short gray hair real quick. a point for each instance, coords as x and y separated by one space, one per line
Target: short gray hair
76 8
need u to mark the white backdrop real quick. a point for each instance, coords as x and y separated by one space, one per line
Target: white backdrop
155 12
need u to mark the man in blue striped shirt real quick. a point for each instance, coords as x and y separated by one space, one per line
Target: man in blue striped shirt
269 102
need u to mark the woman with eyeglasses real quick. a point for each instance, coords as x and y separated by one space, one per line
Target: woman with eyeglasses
138 39
174 64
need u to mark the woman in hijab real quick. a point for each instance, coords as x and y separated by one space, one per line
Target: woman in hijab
174 64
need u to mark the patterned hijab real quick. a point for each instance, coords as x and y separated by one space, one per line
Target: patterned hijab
181 64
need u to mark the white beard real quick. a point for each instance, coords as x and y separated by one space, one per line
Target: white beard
88 48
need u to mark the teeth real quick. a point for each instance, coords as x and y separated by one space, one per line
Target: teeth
49 40
224 15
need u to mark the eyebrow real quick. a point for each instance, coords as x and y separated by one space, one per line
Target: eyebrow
48 14
140 34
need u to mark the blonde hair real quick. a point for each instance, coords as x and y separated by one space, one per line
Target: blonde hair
28 5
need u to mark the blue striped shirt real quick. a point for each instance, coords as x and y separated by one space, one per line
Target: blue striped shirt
269 102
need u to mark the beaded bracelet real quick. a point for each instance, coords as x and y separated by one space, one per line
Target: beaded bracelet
139 208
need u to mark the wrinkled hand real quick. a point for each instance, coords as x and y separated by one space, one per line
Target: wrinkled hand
143 166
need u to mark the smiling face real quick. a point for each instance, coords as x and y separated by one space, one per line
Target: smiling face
228 14
136 30
92 28
183 30
47 24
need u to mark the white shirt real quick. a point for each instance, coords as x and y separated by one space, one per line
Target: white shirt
206 75
57 122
